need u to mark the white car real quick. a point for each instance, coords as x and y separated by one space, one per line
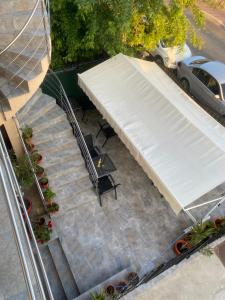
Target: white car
170 56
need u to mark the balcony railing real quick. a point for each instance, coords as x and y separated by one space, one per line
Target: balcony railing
35 278
53 86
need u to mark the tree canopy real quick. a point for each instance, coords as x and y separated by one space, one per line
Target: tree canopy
84 29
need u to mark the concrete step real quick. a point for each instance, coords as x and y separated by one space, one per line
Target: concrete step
53 277
12 22
62 181
21 76
53 132
74 201
35 39
63 269
20 61
50 118
61 159
35 111
25 109
59 144
9 90
7 6
74 187
63 168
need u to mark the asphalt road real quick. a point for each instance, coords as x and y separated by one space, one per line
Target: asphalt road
214 41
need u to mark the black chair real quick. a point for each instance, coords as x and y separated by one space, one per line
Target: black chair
105 185
107 130
94 150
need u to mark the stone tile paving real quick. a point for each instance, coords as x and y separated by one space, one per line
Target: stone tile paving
131 231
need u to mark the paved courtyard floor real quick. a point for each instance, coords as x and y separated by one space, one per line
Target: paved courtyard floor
129 232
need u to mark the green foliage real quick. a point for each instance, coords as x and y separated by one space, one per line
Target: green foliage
83 29
42 232
23 173
43 180
48 194
207 251
35 156
38 170
53 207
201 231
27 132
98 296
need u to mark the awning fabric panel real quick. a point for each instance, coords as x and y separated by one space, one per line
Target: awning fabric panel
179 146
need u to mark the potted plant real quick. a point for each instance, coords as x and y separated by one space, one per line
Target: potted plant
133 278
97 296
28 205
23 173
200 232
43 182
180 246
27 133
39 171
42 233
36 157
219 222
30 147
49 195
110 290
52 207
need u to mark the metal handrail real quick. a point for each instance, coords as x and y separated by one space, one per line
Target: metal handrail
22 29
66 106
17 193
30 163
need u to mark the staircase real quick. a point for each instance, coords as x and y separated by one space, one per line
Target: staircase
68 177
24 63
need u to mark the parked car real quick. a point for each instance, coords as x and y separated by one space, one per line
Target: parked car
170 56
204 79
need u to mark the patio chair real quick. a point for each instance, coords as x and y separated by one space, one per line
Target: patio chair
106 184
94 150
107 130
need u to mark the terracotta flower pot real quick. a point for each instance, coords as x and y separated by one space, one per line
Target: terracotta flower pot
181 246
110 290
44 183
219 222
133 278
28 205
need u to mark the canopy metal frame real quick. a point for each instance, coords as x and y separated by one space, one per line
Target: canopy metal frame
219 201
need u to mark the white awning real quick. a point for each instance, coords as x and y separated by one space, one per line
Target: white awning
179 146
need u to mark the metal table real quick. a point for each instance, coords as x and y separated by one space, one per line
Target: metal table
104 165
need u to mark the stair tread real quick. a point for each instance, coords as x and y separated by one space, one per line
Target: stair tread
58 183
53 277
63 159
43 104
63 269
22 72
73 201
53 132
52 116
23 111
59 144
73 188
9 88
62 168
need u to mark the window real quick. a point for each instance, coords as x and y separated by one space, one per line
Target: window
202 75
223 90
213 86
200 61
